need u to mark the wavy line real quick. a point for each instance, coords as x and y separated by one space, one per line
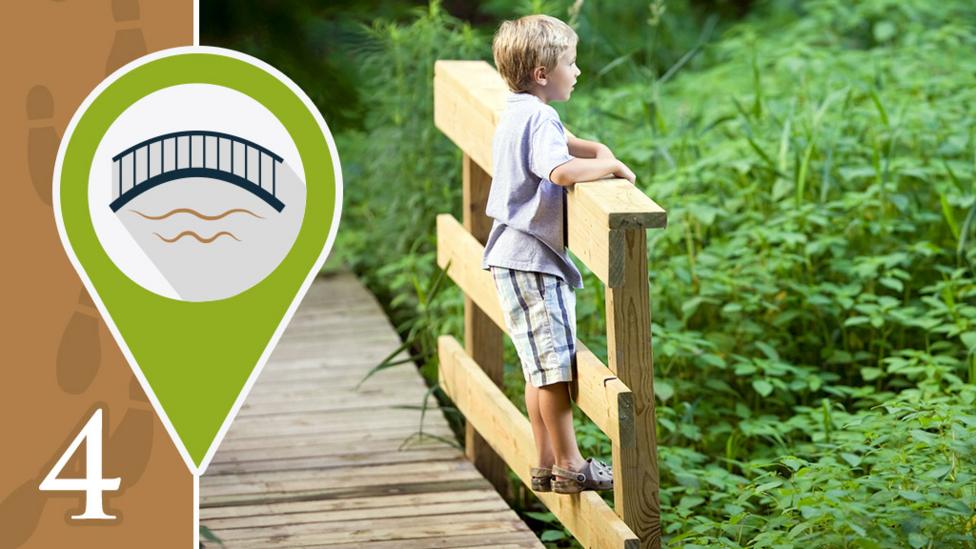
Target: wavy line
196 236
197 214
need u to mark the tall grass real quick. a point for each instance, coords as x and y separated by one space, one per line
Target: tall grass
814 295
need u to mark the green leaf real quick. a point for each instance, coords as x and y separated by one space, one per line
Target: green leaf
939 472
798 529
762 387
765 487
884 31
689 307
923 436
553 535
917 540
878 105
870 374
794 463
950 217
208 535
855 321
744 369
814 383
767 350
713 360
663 390
969 340
892 283
910 495
689 502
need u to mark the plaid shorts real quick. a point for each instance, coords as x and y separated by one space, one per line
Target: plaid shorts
540 314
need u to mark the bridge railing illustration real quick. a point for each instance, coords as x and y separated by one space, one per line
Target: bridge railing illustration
195 153
606 229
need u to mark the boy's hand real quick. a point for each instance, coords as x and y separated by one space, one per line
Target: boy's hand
623 172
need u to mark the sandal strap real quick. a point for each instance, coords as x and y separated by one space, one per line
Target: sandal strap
578 476
593 470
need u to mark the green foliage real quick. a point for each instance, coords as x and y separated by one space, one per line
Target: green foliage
814 293
897 473
815 179
814 296
402 172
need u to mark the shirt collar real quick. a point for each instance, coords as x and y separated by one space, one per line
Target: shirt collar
522 96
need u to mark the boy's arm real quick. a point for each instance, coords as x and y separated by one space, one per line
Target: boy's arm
581 148
588 169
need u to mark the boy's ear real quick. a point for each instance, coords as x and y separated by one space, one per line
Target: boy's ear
539 76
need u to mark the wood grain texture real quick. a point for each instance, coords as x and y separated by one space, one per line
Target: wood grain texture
636 498
586 515
482 338
469 97
606 230
315 461
467 103
617 204
599 248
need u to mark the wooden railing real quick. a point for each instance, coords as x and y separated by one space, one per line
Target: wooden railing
607 222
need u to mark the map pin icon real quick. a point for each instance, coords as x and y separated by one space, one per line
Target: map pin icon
197 192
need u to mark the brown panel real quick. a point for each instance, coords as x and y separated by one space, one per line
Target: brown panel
60 360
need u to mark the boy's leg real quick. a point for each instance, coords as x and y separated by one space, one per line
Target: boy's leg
557 414
542 444
534 326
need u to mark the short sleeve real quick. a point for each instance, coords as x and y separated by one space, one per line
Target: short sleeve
548 148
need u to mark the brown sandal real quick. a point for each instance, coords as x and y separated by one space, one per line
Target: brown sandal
594 475
541 479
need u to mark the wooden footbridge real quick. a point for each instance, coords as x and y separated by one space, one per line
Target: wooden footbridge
314 461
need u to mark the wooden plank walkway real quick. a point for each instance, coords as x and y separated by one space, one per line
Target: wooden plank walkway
311 461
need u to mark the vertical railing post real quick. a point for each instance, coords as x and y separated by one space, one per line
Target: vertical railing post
482 338
636 482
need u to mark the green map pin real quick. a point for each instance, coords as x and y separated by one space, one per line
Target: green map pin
197 193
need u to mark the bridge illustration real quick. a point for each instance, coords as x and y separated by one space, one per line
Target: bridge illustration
170 156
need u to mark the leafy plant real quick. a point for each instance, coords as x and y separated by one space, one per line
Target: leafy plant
814 295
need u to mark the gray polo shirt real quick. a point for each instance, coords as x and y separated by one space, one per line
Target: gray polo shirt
528 208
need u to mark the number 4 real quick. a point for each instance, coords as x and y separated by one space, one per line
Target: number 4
93 484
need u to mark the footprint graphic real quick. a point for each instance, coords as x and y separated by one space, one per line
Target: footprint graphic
79 353
21 511
42 141
129 42
135 390
130 445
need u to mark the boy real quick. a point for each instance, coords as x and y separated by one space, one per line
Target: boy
534 159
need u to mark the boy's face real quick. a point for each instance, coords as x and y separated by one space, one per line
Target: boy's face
561 80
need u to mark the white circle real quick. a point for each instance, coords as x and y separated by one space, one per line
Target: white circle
193 254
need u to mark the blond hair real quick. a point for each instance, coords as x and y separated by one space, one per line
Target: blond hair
529 42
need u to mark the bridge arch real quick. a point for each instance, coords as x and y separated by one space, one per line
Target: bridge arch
165 149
